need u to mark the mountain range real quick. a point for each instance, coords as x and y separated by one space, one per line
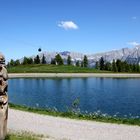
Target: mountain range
131 55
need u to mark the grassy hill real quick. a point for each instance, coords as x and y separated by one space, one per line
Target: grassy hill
40 68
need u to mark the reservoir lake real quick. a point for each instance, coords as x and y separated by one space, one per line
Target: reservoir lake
106 95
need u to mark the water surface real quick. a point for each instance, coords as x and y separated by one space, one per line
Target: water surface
109 95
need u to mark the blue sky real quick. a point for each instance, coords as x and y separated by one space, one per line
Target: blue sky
87 26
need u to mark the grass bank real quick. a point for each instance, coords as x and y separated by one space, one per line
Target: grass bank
40 68
23 136
75 114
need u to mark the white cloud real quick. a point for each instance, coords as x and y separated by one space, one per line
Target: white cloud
133 43
67 25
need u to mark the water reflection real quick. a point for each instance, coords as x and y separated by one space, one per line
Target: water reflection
106 94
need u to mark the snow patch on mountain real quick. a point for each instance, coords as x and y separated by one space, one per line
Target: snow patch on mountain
131 55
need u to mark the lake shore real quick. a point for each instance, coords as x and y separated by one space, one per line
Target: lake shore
51 75
57 128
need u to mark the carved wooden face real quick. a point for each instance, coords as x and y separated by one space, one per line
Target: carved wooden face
2 59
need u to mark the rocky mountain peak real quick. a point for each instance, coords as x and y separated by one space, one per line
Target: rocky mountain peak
131 55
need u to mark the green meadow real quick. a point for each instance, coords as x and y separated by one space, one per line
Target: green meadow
41 68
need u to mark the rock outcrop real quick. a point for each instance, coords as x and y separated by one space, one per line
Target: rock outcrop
131 55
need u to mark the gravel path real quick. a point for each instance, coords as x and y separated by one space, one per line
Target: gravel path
67 129
36 75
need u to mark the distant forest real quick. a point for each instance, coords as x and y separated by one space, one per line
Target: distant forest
115 66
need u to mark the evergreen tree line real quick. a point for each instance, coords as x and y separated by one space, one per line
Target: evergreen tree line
117 66
56 61
27 60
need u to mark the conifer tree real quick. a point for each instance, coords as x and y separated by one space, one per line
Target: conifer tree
30 60
12 62
53 62
85 61
25 61
114 67
69 60
17 62
102 63
119 65
77 63
43 59
37 60
59 59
